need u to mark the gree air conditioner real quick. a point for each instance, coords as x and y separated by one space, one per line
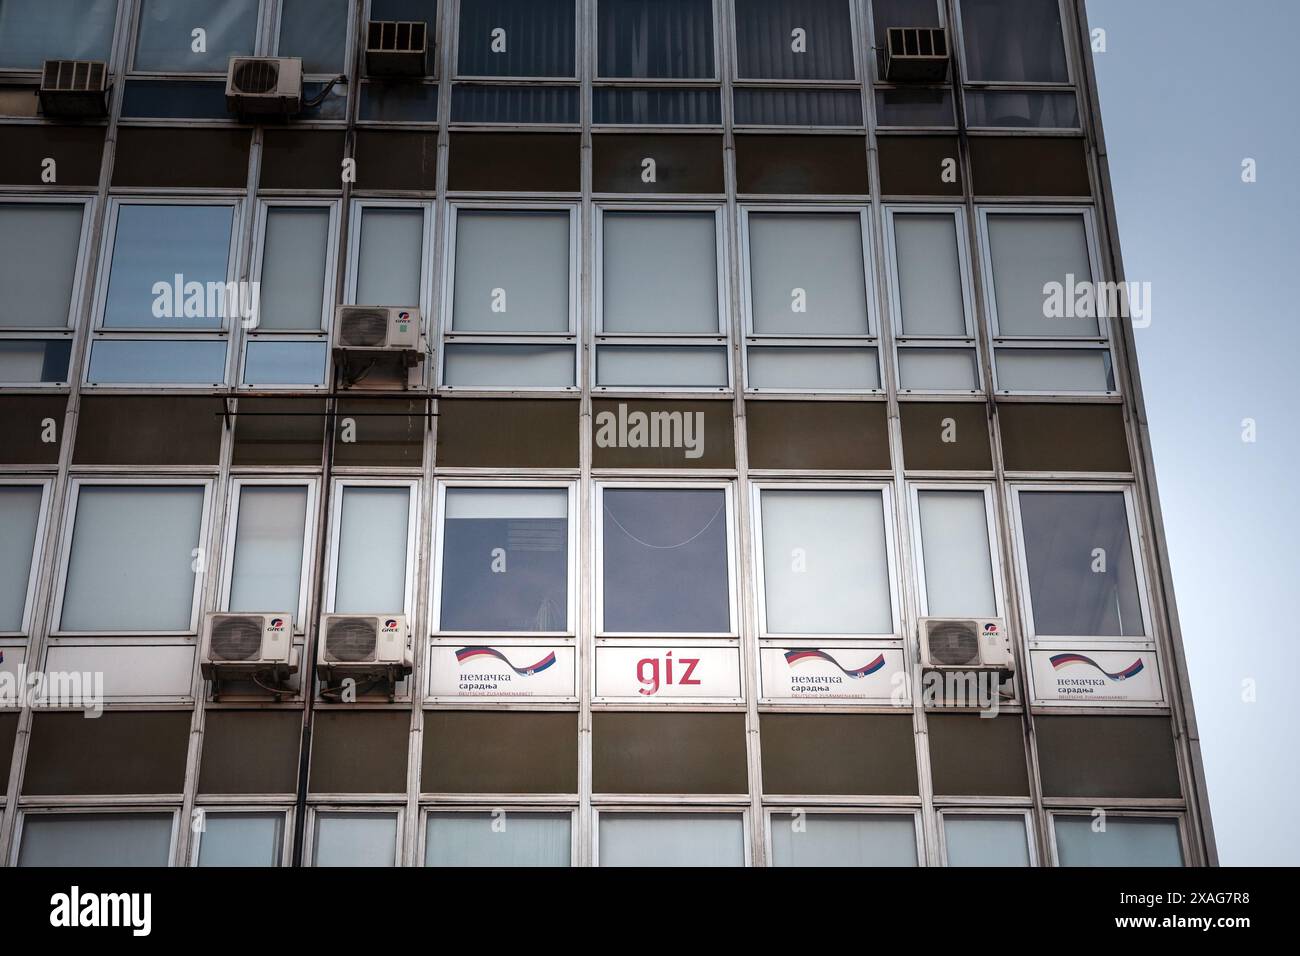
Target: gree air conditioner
916 55
377 328
264 85
964 643
396 48
248 645
74 88
363 646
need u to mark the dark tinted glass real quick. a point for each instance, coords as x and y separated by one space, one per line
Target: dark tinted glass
756 107
657 107
516 38
655 38
474 103
1014 41
794 40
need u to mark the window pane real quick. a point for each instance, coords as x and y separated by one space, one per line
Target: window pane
665 561
825 564
903 13
768 48
355 839
985 840
371 574
509 366
930 298
671 839
132 555
655 38
95 839
813 368
175 99
32 31
285 363
1126 841
399 102
1027 110
164 44
497 103
512 271
33 361
295 251
505 560
937 369
659 272
843 839
1080 561
1027 253
317 31
477 839
640 366
241 839
38 261
1014 41
958 561
1054 370
755 107
537 41
20 512
389 256
806 274
670 106
914 108
415 10
157 244
267 567
157 362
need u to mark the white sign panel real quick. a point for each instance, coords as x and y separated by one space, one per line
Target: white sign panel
667 672
841 672
502 671
1082 677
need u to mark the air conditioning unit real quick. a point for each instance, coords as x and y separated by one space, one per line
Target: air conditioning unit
264 85
396 48
363 646
963 643
244 645
74 88
377 328
916 54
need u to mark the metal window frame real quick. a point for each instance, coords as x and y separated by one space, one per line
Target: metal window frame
625 808
316 810
997 571
414 518
506 809
1071 69
870 341
449 336
841 809
1030 91
1025 813
573 79
442 486
1178 817
64 558
732 555
853 82
350 40
600 79
893 564
83 809
329 267
352 267
1145 641
137 8
78 291
719 339
46 484
231 810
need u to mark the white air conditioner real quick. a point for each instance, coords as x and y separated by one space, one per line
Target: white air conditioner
74 88
396 48
963 643
362 646
377 328
247 645
916 54
265 85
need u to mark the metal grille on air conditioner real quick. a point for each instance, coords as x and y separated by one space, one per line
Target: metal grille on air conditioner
256 76
365 329
954 643
73 75
351 639
395 36
236 638
916 53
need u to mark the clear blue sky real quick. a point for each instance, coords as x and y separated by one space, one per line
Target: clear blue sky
1190 88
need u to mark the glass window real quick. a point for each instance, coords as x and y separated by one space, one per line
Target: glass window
985 839
671 839
355 839
639 366
500 104
285 362
270 535
505 559
132 558
32 31
1125 841
659 272
1014 41
157 362
794 40
38 261
371 570
914 108
764 107
157 247
316 31
1054 370
241 839
825 562
400 102
412 10
512 271
165 43
958 564
516 38
34 361
390 256
1079 559
487 839
20 518
936 370
665 560
509 366
294 273
1022 109
843 839
655 38
1026 253
931 300
652 106
806 274
95 839
819 368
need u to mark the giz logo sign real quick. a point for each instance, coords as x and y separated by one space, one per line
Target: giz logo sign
704 671
648 669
